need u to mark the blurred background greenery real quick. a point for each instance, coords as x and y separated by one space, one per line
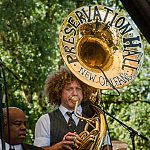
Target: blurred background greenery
29 51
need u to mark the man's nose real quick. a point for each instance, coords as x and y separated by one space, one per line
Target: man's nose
23 126
75 92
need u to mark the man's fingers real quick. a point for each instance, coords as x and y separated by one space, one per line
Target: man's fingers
67 144
77 141
78 138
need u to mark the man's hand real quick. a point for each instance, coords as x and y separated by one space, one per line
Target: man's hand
74 138
71 141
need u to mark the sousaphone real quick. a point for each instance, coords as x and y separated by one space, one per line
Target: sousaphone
102 47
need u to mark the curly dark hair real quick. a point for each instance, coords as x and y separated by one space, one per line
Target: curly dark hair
56 81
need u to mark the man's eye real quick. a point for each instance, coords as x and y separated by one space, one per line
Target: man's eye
79 89
17 124
68 89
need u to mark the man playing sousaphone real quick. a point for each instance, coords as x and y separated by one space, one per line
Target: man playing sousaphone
54 130
102 50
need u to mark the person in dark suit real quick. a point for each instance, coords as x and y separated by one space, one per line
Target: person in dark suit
15 130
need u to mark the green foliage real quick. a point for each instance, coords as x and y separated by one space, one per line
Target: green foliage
133 115
29 31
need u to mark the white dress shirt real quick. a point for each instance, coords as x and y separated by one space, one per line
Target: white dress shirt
7 146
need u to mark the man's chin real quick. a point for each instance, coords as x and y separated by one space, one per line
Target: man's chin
21 138
19 141
71 108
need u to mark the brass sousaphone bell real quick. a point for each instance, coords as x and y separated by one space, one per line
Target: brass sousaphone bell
101 47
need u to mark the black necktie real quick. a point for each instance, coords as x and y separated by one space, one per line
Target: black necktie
71 121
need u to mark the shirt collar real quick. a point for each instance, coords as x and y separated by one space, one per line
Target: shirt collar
18 147
64 110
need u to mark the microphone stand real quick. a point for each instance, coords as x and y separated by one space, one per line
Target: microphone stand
1 112
132 131
2 105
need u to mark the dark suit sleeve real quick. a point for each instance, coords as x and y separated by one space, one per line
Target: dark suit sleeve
30 147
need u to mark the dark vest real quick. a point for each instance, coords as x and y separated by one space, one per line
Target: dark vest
59 126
